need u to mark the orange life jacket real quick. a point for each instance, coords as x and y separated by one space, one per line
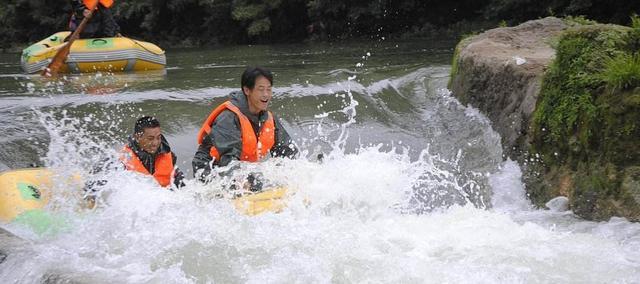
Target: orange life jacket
91 4
253 148
163 165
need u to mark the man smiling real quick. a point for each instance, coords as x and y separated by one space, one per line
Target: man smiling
242 128
148 153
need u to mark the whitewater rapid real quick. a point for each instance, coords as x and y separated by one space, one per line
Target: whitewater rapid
350 231
412 189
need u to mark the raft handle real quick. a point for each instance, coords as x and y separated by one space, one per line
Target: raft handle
99 41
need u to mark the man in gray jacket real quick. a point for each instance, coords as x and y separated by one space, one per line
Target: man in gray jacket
242 128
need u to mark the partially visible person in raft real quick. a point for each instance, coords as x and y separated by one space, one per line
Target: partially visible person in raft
149 153
101 24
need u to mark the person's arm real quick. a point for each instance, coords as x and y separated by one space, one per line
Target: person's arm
96 180
178 176
284 145
78 8
202 160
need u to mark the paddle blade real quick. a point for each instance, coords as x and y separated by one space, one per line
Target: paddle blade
57 61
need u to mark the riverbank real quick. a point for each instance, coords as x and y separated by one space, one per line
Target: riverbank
425 32
565 97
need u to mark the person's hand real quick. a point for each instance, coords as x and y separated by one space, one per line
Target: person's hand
86 12
254 182
178 180
91 190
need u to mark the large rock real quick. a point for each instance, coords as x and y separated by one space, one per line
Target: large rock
585 141
500 72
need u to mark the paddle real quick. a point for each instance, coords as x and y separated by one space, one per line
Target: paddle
61 56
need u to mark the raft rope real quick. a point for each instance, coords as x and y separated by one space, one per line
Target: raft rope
136 42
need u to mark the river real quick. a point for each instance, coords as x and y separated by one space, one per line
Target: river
413 187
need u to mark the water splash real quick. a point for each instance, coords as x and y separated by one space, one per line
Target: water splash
352 216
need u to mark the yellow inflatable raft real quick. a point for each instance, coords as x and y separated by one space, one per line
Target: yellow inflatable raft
24 193
271 200
117 54
23 196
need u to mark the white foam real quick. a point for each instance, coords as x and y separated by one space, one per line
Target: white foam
347 222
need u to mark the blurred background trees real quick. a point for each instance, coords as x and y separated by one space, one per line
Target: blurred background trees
206 22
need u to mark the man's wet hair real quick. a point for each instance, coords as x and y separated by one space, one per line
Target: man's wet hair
144 123
250 75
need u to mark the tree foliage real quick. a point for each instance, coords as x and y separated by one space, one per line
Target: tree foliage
199 22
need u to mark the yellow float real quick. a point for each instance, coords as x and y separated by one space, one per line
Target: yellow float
22 191
23 196
25 193
116 54
271 200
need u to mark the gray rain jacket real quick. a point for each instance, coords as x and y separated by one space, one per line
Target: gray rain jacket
226 137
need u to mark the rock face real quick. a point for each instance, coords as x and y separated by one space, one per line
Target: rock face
500 73
546 87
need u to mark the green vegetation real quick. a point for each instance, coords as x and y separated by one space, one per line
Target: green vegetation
587 121
578 20
456 57
622 72
567 114
200 22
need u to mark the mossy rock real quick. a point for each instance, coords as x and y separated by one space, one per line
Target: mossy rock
587 131
545 184
595 195
579 115
631 181
456 57
619 137
576 115
568 101
632 100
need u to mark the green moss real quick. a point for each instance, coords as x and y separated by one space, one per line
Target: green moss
588 191
622 72
567 106
632 100
456 57
633 37
578 21
596 191
619 132
542 188
454 66
587 119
